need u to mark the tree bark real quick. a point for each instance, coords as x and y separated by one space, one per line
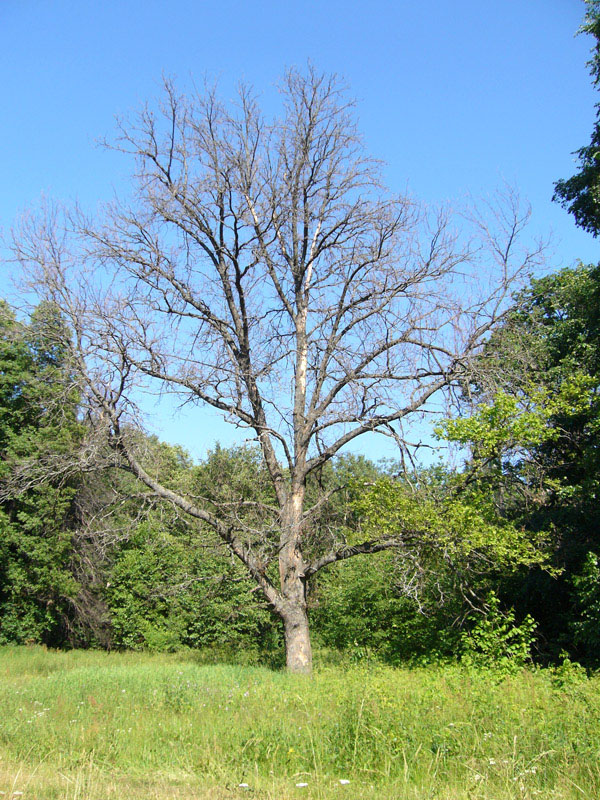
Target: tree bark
298 653
292 569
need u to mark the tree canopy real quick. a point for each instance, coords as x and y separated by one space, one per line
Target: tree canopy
533 439
580 195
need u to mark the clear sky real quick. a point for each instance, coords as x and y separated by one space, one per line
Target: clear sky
456 96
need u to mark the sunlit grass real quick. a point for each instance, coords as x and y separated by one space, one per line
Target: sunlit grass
91 725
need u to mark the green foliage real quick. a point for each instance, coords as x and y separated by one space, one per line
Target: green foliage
561 314
580 195
568 675
169 588
38 421
405 606
586 595
513 423
367 612
458 529
495 641
35 554
532 434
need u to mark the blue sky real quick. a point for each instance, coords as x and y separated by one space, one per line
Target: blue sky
456 96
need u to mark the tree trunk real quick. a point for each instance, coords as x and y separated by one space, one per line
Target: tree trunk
293 586
298 653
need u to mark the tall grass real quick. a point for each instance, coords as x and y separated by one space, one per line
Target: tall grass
89 726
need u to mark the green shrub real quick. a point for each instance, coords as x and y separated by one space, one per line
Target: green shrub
165 593
496 642
586 624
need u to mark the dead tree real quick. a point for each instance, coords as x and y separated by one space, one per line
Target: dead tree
261 268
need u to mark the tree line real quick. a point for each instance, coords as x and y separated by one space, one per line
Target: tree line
89 558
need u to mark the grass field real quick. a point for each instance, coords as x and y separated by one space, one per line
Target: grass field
93 726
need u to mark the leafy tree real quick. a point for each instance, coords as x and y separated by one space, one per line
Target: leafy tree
37 421
580 195
585 621
454 541
533 436
164 593
170 583
543 415
364 612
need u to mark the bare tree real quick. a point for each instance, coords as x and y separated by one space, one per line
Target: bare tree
262 269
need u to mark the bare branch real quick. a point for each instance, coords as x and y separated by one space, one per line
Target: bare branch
263 269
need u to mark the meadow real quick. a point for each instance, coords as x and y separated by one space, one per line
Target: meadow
85 725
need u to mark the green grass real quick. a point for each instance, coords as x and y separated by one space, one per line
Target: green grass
91 725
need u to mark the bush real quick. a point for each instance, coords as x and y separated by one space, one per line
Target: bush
496 642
